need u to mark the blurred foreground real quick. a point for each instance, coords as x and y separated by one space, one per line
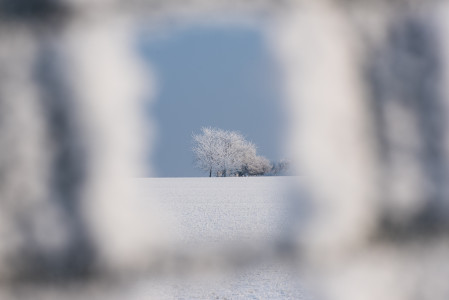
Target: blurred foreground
221 245
366 87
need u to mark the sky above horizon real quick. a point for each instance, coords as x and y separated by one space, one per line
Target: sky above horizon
218 76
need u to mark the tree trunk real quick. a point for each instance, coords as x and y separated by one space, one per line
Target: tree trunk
210 172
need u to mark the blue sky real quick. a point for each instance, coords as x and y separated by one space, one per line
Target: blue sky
215 76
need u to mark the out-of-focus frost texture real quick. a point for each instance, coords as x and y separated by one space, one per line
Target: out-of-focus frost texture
366 85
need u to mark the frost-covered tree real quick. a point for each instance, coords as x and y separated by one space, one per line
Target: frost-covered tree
261 166
207 148
252 164
231 153
280 168
218 151
227 153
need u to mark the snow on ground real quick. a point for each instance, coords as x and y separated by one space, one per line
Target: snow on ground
235 219
224 235
214 210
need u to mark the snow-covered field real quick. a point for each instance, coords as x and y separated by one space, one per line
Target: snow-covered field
226 240
232 225
217 210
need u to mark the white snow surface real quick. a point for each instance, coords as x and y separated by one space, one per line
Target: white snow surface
222 234
226 219
216 210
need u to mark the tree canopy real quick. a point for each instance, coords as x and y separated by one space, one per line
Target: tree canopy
227 153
